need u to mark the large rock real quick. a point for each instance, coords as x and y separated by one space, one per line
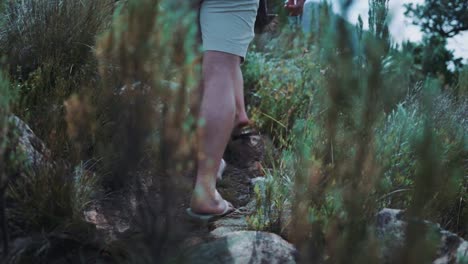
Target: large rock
242 247
235 186
32 148
243 156
25 154
391 230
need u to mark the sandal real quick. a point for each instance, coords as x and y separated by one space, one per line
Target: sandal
229 208
244 132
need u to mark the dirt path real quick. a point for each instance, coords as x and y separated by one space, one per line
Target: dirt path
119 217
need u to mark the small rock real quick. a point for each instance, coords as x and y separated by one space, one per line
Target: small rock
95 218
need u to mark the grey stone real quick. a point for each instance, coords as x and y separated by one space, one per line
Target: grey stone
243 247
236 221
29 145
391 231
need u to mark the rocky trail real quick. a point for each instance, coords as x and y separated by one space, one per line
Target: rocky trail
231 240
226 240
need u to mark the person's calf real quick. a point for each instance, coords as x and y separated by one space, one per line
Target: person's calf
218 111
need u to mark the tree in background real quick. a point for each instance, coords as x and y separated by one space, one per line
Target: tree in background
439 20
436 60
378 23
445 18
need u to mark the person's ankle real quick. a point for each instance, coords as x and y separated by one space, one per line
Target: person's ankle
204 190
205 201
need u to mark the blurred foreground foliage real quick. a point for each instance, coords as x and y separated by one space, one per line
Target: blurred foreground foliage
358 130
356 124
109 86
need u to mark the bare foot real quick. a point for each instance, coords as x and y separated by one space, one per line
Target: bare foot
203 202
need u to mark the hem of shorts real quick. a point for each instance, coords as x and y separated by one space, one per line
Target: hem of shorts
227 49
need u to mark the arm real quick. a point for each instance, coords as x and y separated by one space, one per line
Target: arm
295 7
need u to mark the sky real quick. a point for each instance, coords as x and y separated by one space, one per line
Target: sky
401 28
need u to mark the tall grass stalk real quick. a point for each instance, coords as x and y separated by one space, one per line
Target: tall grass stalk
6 99
154 45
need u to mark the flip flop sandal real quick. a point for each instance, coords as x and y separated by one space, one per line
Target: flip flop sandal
244 132
222 167
229 208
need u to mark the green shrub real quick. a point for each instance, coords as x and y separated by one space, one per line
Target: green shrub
395 149
272 196
49 54
50 199
47 46
280 91
367 135
397 140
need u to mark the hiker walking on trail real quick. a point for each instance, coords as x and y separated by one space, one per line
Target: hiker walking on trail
227 28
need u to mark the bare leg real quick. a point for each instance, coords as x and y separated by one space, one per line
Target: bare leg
218 110
242 119
241 114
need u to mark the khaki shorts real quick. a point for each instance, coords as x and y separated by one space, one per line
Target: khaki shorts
228 25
